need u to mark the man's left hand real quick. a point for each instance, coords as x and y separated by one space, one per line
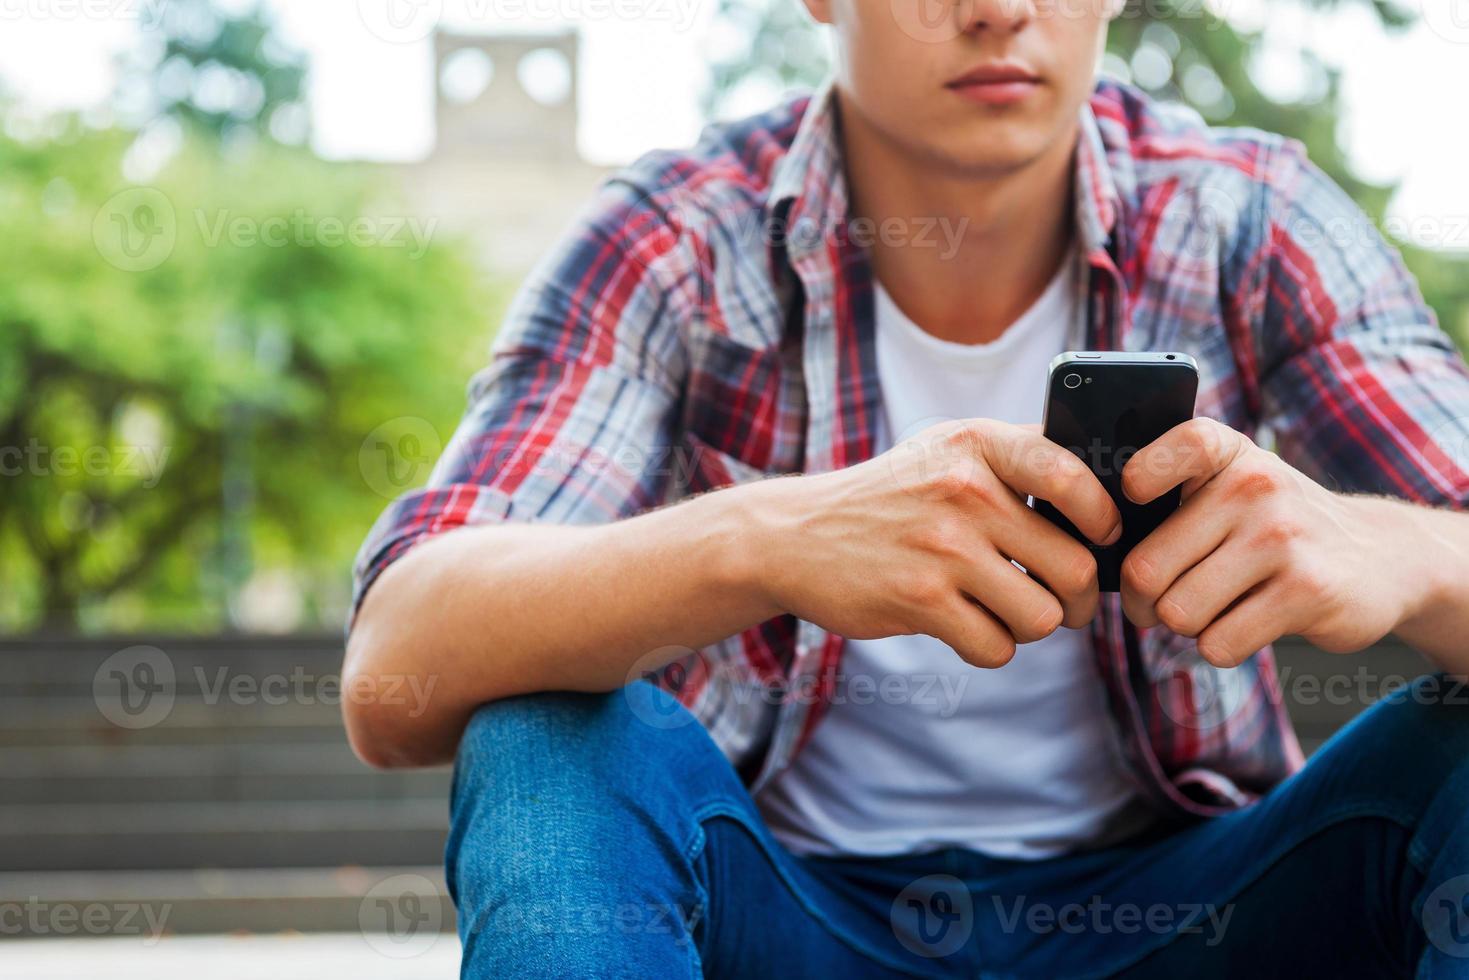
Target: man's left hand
1257 551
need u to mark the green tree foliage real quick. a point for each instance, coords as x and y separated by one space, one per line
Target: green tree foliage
226 75
1174 49
210 375
226 370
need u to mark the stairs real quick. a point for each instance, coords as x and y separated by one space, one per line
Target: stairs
208 781
210 776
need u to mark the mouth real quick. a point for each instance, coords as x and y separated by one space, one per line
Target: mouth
995 83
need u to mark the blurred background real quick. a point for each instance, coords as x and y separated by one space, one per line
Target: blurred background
252 254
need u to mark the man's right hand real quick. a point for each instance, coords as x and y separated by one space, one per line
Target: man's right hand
920 539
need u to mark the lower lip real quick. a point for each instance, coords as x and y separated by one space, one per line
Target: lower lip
995 93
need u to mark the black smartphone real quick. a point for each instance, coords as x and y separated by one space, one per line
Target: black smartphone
1104 406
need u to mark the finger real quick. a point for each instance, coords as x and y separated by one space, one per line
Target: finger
1189 453
972 632
1184 539
1261 617
1203 593
1025 607
1061 563
1029 463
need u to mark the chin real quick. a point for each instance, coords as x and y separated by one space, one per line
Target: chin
989 153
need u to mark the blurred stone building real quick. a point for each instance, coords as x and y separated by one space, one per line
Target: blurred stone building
505 169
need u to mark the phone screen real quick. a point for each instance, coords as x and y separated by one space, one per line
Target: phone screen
1104 412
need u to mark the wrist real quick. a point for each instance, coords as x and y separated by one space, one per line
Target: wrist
1413 552
743 534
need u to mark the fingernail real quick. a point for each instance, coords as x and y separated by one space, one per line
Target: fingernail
1116 533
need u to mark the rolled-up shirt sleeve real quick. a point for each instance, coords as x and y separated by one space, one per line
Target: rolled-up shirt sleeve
573 418
1361 387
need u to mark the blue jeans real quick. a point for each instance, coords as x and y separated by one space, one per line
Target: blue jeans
607 836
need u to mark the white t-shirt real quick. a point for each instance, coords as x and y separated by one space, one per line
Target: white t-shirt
919 750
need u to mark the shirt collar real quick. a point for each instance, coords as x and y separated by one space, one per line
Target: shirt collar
808 185
808 189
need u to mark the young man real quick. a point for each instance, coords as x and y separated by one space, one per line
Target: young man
892 751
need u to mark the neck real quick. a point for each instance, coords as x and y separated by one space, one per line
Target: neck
963 255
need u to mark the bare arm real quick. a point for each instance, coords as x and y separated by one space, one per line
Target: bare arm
489 612
918 540
1431 549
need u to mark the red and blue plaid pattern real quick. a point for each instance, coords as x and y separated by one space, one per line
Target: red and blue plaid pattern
710 322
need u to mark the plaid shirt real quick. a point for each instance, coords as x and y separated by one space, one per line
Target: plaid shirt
709 321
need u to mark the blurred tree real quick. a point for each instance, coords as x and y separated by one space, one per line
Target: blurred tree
226 371
269 295
227 75
1173 49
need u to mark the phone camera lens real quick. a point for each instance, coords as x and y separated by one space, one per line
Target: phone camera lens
1170 357
1072 381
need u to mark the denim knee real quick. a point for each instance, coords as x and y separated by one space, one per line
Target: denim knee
572 815
1406 748
578 747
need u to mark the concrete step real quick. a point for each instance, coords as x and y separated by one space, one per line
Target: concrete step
1323 691
151 904
277 956
69 713
45 664
276 782
205 773
323 731
257 834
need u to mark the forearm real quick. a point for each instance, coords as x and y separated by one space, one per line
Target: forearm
1430 549
489 612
